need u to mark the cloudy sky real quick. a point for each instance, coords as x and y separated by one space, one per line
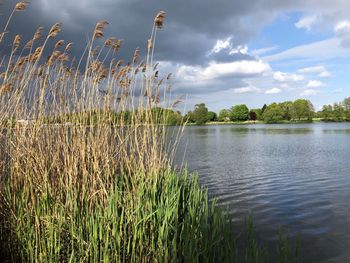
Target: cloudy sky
221 52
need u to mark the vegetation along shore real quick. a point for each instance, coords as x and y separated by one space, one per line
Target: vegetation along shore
297 111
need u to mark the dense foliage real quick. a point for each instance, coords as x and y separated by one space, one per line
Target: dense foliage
336 112
239 113
300 110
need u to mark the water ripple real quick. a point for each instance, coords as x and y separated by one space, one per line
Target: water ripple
296 177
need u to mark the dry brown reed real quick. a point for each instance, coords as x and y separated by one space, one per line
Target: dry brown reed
64 127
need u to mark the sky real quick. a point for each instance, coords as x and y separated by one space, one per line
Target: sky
222 52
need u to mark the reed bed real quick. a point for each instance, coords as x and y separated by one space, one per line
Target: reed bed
85 164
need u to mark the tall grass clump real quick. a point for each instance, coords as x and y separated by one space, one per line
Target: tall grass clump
85 159
77 190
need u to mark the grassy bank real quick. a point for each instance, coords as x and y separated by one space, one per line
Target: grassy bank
144 218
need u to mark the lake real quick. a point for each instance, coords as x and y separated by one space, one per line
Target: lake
294 176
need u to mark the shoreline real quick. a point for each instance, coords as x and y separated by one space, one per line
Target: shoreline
315 120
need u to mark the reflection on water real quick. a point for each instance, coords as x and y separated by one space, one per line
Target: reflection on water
337 131
293 176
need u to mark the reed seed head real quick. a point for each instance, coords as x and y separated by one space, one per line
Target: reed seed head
17 42
100 26
55 29
37 54
21 6
98 33
117 45
176 102
109 42
38 33
68 47
6 88
136 55
2 35
59 44
159 19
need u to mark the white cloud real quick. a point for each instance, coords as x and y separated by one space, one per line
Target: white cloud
318 51
342 27
342 30
309 92
248 89
225 44
218 74
315 84
221 44
312 70
243 49
237 68
287 77
325 74
306 22
273 91
261 51
321 71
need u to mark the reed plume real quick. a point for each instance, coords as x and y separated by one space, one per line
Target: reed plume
59 44
55 29
16 42
159 19
100 26
21 6
68 47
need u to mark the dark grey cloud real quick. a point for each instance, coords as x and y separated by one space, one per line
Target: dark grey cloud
192 27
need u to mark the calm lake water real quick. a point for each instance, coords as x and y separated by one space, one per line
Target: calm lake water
292 176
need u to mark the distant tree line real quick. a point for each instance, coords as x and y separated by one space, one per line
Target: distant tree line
336 112
300 110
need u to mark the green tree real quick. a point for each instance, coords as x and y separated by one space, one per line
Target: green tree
212 116
273 113
224 115
255 114
287 108
189 117
239 113
263 109
200 114
327 113
252 115
346 103
258 113
173 118
347 115
302 109
338 112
